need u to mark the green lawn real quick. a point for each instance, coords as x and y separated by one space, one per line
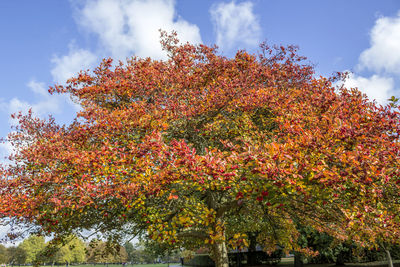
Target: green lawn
127 265
285 262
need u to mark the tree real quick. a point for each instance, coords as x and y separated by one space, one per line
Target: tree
3 254
158 251
71 252
77 248
16 255
33 246
200 150
140 253
130 251
105 252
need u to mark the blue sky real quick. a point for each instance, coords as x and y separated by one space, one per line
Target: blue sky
44 42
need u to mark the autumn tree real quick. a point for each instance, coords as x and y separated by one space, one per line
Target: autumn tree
203 150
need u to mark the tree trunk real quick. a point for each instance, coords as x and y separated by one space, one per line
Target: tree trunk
389 258
251 254
219 250
220 254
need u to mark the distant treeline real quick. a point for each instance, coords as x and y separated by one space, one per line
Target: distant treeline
34 249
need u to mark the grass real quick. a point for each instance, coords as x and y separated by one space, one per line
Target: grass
284 262
290 262
118 265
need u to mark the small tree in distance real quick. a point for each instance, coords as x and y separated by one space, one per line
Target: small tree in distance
99 251
73 251
200 150
33 246
3 254
130 251
16 255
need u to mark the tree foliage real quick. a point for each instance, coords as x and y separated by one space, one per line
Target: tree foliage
200 150
3 254
71 252
99 251
33 246
156 251
130 251
16 255
145 252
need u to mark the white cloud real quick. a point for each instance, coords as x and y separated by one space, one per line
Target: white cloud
5 151
384 53
47 104
376 87
235 24
127 27
69 65
3 231
6 147
65 67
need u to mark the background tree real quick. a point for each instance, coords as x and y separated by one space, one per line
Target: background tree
158 251
192 149
77 248
131 253
99 251
139 254
3 254
33 246
16 255
72 252
143 254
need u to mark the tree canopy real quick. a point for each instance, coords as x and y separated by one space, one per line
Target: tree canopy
202 150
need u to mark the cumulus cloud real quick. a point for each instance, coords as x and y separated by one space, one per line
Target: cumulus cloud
3 231
381 60
131 27
69 65
64 68
6 149
384 53
47 104
376 87
124 28
235 24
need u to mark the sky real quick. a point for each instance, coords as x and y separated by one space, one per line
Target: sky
45 42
